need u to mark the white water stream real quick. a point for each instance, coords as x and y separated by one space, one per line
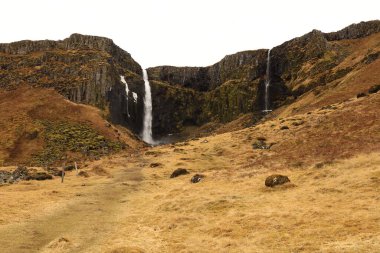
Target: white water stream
147 124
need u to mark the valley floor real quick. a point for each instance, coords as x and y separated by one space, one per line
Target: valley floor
129 203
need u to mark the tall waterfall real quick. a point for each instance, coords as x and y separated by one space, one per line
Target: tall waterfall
267 84
147 125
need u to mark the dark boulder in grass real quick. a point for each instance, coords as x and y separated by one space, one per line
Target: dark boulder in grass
154 165
196 178
374 89
179 172
40 176
274 180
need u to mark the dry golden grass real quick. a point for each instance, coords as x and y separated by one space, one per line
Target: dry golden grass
331 204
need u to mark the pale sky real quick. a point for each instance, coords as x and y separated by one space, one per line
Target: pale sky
181 32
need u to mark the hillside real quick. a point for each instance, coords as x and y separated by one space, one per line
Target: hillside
40 127
130 203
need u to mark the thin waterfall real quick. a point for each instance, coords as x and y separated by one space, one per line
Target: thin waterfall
147 124
122 79
267 84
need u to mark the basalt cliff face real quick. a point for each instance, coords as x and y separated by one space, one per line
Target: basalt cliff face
84 69
89 69
235 85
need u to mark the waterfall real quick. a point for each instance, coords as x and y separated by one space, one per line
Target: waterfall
122 79
267 84
147 124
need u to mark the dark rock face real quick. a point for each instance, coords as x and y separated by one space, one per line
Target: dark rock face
185 96
84 69
179 172
236 84
274 180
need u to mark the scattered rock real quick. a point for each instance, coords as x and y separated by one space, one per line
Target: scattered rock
178 150
69 167
204 141
284 128
360 95
298 123
83 174
179 172
54 171
274 180
5 177
261 144
196 178
32 135
374 89
154 165
40 176
21 173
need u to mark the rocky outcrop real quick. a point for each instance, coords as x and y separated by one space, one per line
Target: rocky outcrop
355 31
195 95
236 84
85 69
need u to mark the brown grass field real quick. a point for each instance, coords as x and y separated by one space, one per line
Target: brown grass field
332 204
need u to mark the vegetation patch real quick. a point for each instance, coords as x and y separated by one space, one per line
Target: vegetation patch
63 137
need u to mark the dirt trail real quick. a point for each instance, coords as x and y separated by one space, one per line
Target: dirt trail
80 225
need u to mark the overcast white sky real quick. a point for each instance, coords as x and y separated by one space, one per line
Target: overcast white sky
181 32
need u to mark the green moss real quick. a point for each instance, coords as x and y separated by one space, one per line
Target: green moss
63 137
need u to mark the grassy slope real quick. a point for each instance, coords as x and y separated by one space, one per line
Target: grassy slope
331 205
23 110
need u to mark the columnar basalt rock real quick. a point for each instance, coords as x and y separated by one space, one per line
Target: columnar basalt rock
85 69
88 69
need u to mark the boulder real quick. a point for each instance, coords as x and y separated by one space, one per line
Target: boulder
374 89
274 180
5 177
40 176
196 178
21 173
179 172
154 165
261 144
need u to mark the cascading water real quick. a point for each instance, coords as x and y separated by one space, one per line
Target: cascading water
122 79
147 124
267 84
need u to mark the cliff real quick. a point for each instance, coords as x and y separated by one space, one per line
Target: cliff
85 69
235 85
